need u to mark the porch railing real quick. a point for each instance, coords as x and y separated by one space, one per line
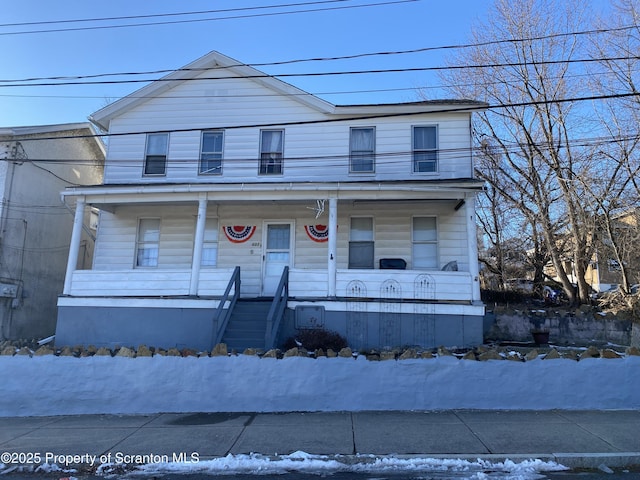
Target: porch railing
276 312
222 315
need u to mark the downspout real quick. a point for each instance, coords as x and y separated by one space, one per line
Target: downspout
331 248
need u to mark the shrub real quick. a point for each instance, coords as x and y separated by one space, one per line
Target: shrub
506 296
312 339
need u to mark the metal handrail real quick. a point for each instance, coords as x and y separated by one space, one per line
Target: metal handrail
221 316
276 312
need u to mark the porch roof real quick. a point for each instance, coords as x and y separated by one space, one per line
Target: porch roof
105 195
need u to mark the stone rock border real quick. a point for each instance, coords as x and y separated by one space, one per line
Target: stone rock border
481 353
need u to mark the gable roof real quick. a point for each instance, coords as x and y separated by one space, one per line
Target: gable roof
215 60
210 61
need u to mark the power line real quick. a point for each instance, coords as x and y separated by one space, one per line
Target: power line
343 57
161 15
251 95
318 74
234 17
469 107
382 158
339 92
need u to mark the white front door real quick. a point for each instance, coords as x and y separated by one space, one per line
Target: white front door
276 255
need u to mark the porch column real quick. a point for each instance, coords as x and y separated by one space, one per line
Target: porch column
198 243
472 246
74 246
332 244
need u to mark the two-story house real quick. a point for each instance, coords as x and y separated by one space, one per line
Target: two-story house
36 162
238 208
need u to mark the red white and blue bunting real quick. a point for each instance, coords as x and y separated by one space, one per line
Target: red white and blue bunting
239 233
317 233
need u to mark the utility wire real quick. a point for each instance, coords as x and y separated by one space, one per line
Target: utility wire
382 158
249 95
234 17
339 92
161 15
469 108
335 58
318 74
479 106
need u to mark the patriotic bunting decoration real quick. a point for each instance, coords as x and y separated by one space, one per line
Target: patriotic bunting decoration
239 233
317 233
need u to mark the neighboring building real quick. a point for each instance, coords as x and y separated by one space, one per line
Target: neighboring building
604 271
357 218
36 163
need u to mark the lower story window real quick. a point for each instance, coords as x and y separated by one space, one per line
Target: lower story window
148 242
210 245
361 252
425 243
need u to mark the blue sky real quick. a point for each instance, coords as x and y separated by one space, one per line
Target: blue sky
263 39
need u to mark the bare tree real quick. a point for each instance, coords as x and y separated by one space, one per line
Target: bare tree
616 77
523 64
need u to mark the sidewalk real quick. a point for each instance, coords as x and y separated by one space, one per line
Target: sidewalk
576 439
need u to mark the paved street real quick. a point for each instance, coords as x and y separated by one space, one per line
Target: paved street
573 438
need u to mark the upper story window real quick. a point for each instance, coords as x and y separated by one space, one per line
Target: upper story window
271 152
155 159
148 242
425 149
362 144
211 153
425 243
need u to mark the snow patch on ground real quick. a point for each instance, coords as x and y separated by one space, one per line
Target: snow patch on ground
303 462
51 385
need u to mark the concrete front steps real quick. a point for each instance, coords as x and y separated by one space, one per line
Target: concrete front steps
247 325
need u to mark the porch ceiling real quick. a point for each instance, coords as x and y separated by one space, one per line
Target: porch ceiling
105 196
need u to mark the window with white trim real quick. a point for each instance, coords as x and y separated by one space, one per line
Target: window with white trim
425 149
271 152
425 243
148 242
210 245
211 153
361 243
155 159
362 149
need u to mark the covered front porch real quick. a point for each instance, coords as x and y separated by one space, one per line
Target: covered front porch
182 294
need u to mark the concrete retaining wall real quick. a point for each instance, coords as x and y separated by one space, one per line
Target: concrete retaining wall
577 327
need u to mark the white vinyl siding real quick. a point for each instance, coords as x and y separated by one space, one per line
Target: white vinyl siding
115 246
238 102
425 243
392 223
148 243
